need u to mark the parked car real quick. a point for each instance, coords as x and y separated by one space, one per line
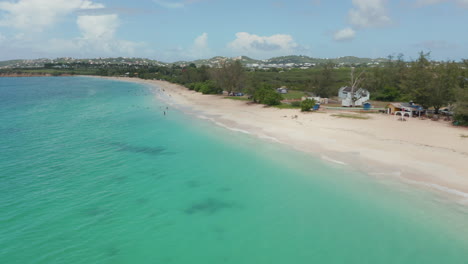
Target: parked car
446 112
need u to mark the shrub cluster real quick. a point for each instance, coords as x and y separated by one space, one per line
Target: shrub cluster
206 87
267 96
307 105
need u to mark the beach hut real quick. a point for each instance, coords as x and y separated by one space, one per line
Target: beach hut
392 108
414 109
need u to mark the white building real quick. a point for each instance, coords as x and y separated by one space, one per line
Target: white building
360 96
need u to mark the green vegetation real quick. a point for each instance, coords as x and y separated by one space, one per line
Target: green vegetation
296 104
464 136
307 105
309 80
352 116
294 95
206 87
266 95
230 76
425 82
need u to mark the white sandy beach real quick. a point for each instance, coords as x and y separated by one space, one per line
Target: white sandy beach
429 154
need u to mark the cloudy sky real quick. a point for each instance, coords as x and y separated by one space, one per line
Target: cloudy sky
169 30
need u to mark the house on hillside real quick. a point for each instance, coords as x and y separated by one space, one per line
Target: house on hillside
361 96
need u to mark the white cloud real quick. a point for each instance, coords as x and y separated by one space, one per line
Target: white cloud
254 45
201 42
200 47
369 13
35 15
101 27
344 34
97 31
97 38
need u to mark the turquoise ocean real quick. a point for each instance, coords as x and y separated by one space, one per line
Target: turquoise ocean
92 171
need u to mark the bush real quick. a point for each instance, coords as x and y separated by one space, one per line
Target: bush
461 120
209 87
307 105
206 87
267 96
191 86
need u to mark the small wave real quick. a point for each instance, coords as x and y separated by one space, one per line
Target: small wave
231 128
223 125
393 173
204 117
333 160
448 190
269 138
439 188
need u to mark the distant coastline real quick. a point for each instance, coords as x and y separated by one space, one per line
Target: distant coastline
31 75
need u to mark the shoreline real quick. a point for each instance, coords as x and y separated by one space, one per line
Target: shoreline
33 75
427 154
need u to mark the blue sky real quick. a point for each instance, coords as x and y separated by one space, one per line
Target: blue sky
191 29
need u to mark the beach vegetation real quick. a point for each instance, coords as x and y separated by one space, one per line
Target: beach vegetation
230 76
461 107
206 87
464 136
352 116
324 82
267 95
296 104
431 84
307 105
293 95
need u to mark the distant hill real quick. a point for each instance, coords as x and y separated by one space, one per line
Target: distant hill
9 62
41 62
294 59
305 59
297 60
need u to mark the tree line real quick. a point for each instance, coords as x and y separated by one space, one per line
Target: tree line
430 84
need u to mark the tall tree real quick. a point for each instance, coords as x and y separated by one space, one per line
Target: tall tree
230 77
444 85
430 84
419 80
356 80
324 81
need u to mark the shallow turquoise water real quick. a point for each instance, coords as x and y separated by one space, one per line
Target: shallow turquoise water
92 171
